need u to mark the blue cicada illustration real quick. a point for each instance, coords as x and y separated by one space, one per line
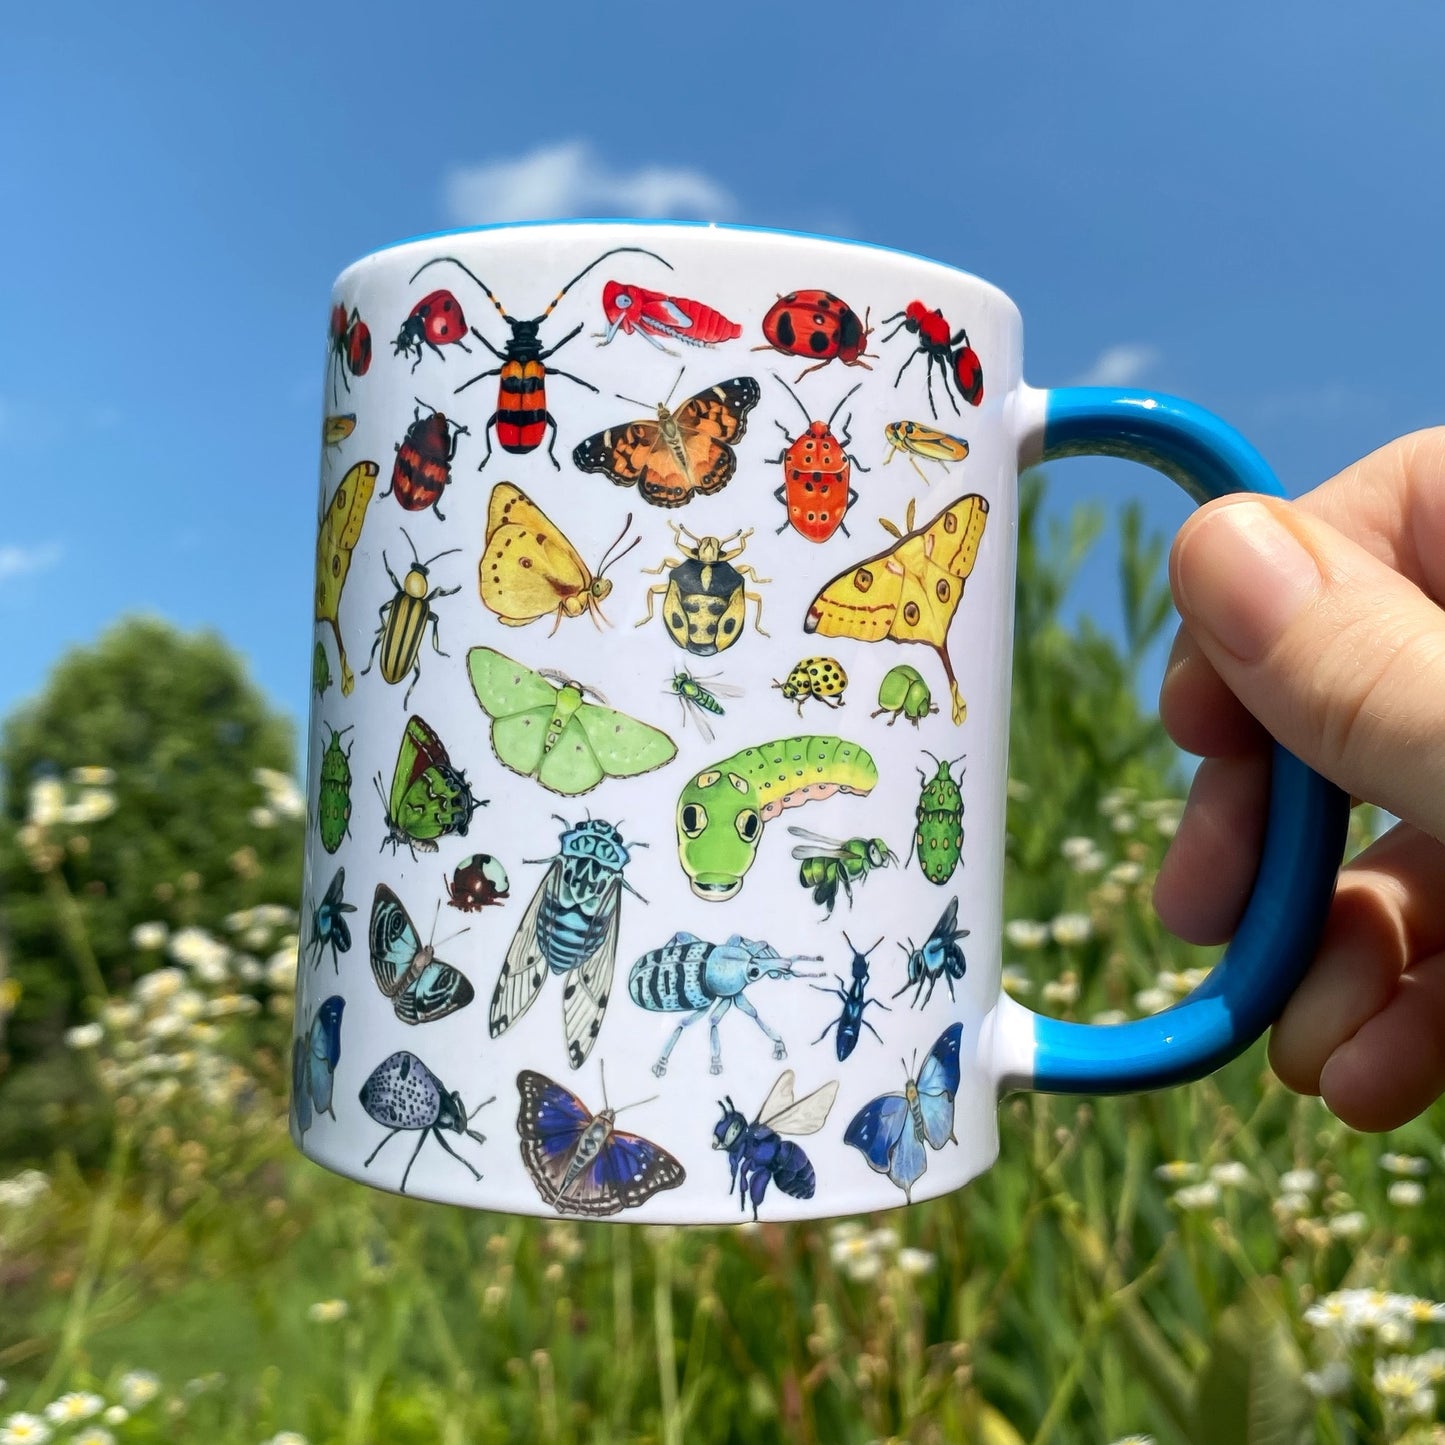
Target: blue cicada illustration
756 1152
689 975
314 1057
570 928
940 957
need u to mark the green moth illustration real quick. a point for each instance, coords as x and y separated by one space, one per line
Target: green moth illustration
721 812
543 727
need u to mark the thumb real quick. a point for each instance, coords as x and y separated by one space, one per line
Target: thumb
1340 657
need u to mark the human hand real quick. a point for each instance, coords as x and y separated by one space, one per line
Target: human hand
1319 622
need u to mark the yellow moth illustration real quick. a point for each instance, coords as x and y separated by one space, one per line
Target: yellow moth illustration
340 530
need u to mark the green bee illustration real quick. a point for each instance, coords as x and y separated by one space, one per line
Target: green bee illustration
938 838
828 865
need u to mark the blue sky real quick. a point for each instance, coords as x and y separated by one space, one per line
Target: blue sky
1236 202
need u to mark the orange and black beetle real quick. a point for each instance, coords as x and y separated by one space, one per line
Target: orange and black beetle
423 467
817 467
817 324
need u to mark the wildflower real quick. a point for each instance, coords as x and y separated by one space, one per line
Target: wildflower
1194 1197
116 1415
1153 1000
77 1405
159 985
1019 790
1177 1171
281 966
148 936
1406 1193
844 1230
24 1429
1328 1382
1350 1225
1135 1440
1071 928
93 1435
1405 1166
90 807
1025 934
328 1311
261 818
1290 1205
1126 873
287 1437
1420 1311
92 777
1016 981
1230 1175
1299 1181
1116 800
1109 1016
915 1262
47 802
119 1015
1063 990
195 948
84 1036
1076 850
863 1268
283 797
21 1191
1399 1382
883 1240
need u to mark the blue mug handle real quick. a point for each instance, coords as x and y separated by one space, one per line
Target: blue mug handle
1308 816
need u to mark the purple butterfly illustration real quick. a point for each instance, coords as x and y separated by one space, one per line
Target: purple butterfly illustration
580 1162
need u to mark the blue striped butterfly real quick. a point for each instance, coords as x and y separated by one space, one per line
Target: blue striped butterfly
314 1057
570 928
580 1162
328 926
420 986
891 1131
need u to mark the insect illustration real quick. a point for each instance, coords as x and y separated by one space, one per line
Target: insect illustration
940 957
333 803
530 570
429 797
915 440
851 1022
320 670
956 360
335 429
405 618
348 348
423 467
903 693
328 925
891 1131
315 1054
817 325
543 728
654 314
819 677
435 321
478 882
682 454
721 811
403 1095
829 865
817 471
938 838
689 975
698 696
910 592
704 600
583 1163
569 929
335 542
521 418
757 1155
420 986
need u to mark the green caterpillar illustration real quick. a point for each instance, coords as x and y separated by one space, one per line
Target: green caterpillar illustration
721 812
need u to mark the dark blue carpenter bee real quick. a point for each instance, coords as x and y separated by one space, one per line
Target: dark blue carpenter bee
757 1153
314 1057
940 957
328 927
851 1023
404 1095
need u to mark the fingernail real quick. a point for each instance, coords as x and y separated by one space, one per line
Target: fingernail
1244 577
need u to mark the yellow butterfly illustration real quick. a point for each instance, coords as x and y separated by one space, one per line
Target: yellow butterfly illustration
530 570
910 592
340 529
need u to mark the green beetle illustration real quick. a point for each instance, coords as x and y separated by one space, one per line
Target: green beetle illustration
721 811
320 669
939 835
819 677
333 811
903 693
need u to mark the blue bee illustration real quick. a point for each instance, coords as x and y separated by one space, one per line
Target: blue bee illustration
690 975
851 1023
314 1057
756 1152
891 1131
570 928
940 957
328 927
420 986
582 1163
404 1095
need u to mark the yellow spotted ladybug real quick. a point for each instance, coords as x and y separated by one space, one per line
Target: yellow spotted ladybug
704 600
819 677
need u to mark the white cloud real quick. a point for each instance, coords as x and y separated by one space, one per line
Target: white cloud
24 561
571 180
1120 365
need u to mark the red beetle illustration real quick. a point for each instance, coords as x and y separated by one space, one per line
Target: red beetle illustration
348 348
435 321
817 324
817 467
951 354
651 314
521 418
423 468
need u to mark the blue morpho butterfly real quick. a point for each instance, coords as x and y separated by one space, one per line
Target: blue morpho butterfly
328 926
892 1130
579 1162
420 986
314 1057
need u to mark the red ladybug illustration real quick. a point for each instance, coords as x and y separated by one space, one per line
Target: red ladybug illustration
349 347
435 321
817 324
423 467
946 349
817 467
